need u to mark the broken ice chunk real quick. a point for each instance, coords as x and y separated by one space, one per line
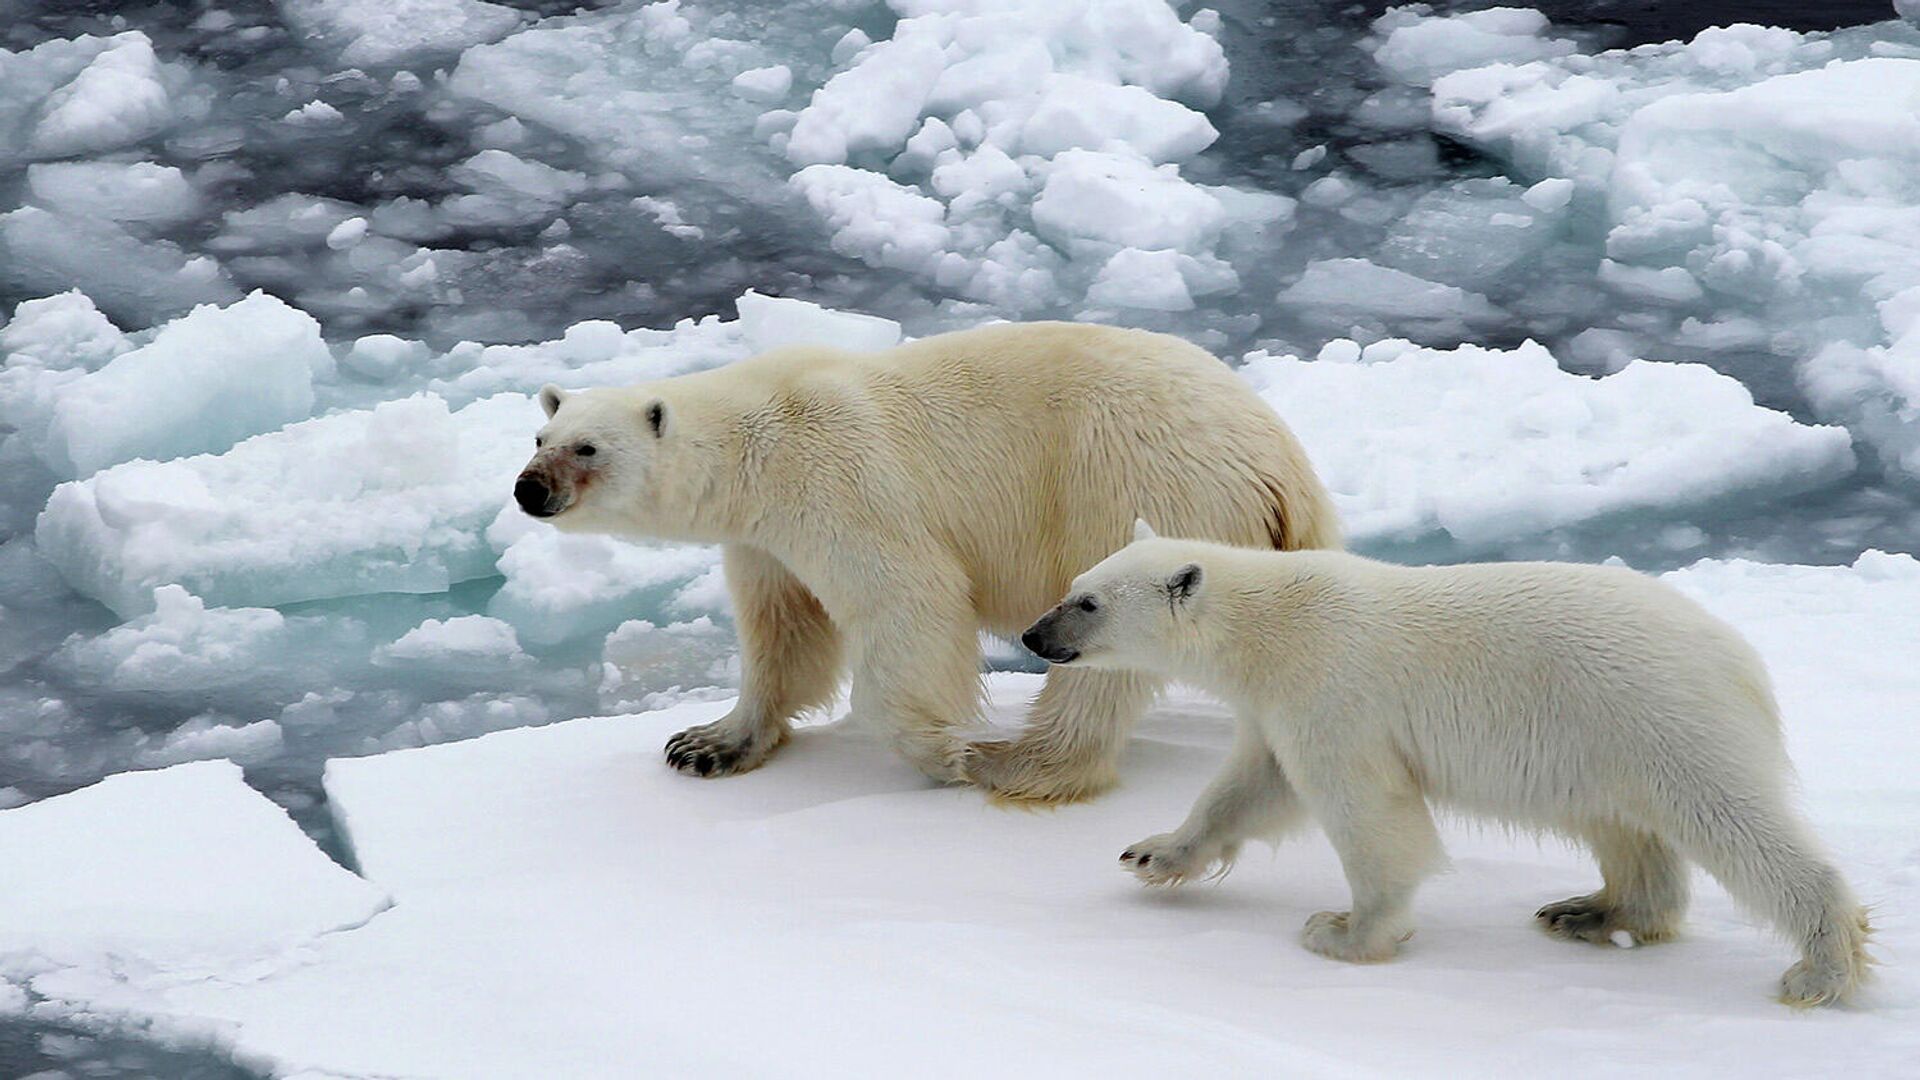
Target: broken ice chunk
392 499
204 382
223 878
1491 446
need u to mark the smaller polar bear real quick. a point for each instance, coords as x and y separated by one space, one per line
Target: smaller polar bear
1585 700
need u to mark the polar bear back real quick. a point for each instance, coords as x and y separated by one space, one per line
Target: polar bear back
1541 692
1024 450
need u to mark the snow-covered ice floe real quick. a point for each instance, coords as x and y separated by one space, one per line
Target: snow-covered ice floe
581 910
1490 445
155 878
1754 186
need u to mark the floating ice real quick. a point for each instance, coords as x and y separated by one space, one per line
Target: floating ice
88 95
138 282
60 332
138 192
875 219
1487 445
1418 48
1011 127
203 739
464 647
182 644
1473 233
1341 294
563 587
768 322
392 499
204 382
283 223
1762 174
384 357
601 354
148 877
508 191
392 31
1120 201
644 665
764 84
628 82
924 152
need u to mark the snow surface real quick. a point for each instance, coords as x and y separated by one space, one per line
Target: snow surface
157 878
562 881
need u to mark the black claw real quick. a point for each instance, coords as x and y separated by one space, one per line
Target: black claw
1145 859
1126 855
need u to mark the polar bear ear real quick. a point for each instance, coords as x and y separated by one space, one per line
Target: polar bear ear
1184 583
1142 530
550 398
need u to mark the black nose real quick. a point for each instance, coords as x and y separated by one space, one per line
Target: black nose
532 496
1035 644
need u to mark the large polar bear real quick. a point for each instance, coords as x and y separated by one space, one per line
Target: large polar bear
1585 700
885 507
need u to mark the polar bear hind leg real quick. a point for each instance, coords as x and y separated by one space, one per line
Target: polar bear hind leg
1644 891
1070 749
1768 859
1387 845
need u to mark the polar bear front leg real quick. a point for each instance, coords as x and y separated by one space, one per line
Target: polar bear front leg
1250 798
789 660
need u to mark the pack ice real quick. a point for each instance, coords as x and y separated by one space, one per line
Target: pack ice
1487 446
1748 195
1023 156
404 497
560 881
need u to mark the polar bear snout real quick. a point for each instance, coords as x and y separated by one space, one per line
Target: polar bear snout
1058 636
537 496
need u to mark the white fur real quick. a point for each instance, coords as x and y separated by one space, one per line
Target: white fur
1590 701
884 508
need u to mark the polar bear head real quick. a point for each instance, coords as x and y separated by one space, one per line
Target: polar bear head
1131 610
612 460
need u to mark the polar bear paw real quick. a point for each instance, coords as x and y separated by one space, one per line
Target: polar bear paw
1580 918
1030 773
718 749
1165 860
1332 935
1595 920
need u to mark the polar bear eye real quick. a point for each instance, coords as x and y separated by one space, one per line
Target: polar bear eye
538 442
585 449
1088 603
